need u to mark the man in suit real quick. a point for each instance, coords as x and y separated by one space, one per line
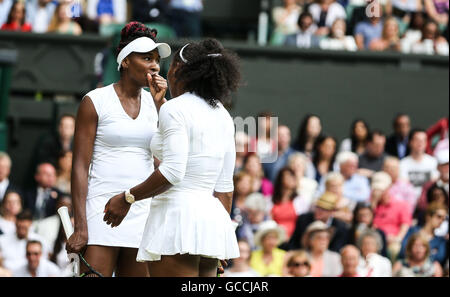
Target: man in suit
41 200
397 143
305 37
5 170
323 211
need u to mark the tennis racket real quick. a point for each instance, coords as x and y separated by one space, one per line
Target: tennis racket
74 258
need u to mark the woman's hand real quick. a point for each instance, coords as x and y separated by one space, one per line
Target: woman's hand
158 88
222 266
115 210
77 242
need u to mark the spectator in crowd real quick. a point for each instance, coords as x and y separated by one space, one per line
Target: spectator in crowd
373 264
264 143
391 215
439 195
414 32
243 183
337 40
5 7
242 141
254 214
13 246
304 37
435 216
16 19
356 186
350 257
285 20
438 129
5 170
11 206
306 187
36 265
287 205
107 11
418 167
268 260
185 17
334 183
39 14
403 10
241 266
358 138
443 169
150 11
253 167
324 263
64 171
437 10
3 271
431 42
369 29
373 158
324 156
48 227
298 264
363 216
324 13
51 146
309 130
271 169
390 38
401 188
41 200
62 22
323 211
397 143
417 262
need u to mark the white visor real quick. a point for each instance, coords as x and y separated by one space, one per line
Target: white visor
143 45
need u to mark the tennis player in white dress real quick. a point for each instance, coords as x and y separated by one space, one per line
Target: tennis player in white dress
189 227
115 125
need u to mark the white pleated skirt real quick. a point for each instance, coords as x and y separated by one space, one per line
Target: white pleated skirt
195 224
128 234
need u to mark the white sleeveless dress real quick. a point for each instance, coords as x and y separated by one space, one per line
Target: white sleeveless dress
195 144
121 159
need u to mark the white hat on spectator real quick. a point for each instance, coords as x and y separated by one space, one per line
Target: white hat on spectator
381 181
442 157
256 201
267 227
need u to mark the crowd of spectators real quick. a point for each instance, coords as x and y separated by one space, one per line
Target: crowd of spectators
371 206
407 26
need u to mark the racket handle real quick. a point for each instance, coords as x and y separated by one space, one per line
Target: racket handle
63 212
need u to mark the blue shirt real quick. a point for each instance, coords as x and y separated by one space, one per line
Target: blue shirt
402 146
438 246
188 5
271 169
369 31
357 188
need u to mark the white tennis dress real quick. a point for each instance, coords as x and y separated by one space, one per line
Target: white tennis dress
195 144
121 159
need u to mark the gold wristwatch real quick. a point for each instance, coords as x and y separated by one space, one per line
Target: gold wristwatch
129 197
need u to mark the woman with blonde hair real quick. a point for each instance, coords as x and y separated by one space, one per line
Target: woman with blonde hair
306 187
390 40
417 262
298 264
61 21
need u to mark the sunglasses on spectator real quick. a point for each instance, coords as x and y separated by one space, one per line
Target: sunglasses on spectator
298 264
441 217
33 254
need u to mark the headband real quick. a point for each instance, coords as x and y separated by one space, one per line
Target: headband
184 59
143 45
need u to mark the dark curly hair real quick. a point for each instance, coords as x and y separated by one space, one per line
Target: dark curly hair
212 77
132 31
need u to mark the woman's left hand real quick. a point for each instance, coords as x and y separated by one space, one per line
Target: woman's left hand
115 210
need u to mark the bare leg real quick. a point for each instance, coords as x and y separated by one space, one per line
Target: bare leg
175 266
101 258
208 267
127 265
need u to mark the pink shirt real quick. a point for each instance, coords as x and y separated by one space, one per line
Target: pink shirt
391 216
404 191
284 214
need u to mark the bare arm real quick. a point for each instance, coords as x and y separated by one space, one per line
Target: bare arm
226 199
85 132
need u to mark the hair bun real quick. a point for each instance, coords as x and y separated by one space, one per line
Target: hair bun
212 45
